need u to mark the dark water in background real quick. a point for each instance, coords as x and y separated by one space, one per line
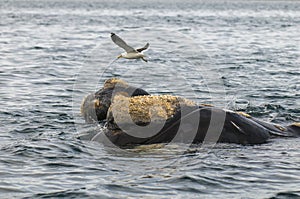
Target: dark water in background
46 45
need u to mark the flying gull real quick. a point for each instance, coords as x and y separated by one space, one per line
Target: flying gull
130 53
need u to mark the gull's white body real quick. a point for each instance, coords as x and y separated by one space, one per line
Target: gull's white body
130 53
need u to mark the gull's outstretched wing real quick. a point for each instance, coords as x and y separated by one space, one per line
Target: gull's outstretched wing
120 42
144 48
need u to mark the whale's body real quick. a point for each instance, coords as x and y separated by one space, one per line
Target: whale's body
176 119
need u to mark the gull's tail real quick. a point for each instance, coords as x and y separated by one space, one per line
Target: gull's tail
145 60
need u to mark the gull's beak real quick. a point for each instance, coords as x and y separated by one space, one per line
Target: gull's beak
119 56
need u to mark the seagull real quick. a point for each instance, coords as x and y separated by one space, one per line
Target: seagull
130 53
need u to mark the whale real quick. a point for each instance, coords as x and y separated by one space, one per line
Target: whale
123 109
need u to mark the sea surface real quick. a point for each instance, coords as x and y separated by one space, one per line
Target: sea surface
237 55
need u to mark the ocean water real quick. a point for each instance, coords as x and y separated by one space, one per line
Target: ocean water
238 55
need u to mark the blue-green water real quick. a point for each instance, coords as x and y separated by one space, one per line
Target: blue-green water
48 47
